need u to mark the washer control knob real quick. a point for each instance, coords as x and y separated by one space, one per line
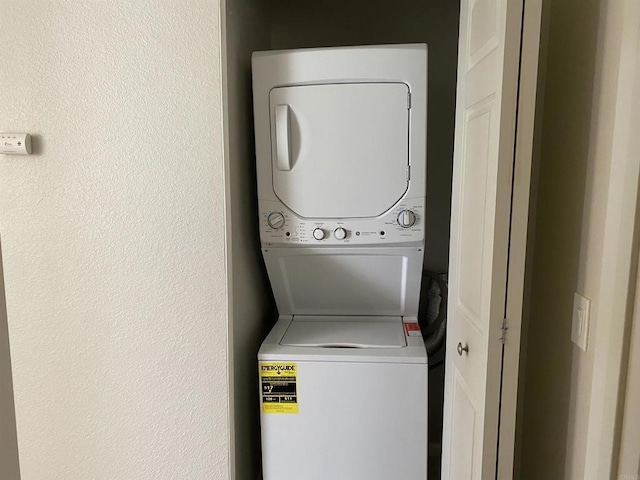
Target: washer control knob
275 220
340 233
406 218
318 234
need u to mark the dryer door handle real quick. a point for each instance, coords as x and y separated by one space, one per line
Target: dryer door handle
283 145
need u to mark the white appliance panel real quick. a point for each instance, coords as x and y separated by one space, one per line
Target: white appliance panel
340 150
379 64
383 230
273 349
345 281
355 421
345 332
341 167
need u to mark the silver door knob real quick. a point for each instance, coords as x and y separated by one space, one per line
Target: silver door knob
463 349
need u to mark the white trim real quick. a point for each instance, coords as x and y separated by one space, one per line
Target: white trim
228 240
629 458
618 273
545 22
528 81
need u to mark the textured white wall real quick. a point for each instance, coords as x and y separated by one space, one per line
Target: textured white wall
113 238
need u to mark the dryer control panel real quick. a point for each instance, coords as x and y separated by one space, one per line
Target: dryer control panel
402 224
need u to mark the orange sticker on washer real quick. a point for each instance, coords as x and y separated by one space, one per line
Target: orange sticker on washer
412 329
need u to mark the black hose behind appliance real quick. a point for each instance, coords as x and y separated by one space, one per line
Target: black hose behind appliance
433 311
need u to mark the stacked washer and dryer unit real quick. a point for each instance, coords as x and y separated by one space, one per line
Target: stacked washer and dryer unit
341 164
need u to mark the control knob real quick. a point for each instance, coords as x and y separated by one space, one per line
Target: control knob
275 220
318 234
406 218
340 233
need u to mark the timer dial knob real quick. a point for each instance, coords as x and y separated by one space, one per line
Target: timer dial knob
318 234
340 233
275 220
406 218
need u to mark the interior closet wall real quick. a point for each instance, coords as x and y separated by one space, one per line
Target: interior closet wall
246 24
281 24
8 439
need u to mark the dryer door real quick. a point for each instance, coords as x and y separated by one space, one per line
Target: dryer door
340 150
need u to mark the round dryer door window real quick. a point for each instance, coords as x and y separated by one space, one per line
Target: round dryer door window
340 150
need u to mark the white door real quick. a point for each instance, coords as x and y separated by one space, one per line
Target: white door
340 150
487 97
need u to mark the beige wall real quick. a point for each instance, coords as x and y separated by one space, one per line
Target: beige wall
246 31
576 157
113 238
8 439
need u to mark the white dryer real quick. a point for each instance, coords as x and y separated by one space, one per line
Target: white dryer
341 162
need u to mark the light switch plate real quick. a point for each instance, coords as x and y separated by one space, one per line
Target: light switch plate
580 324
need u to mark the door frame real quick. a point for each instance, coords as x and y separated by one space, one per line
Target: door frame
516 301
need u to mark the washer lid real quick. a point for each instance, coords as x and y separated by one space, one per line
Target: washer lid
340 150
345 332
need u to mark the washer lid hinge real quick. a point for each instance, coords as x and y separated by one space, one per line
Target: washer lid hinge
408 100
408 172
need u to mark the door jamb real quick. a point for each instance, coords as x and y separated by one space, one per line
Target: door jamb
520 204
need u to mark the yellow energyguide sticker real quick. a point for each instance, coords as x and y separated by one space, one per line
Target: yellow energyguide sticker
278 387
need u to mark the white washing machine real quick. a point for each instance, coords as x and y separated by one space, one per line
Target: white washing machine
341 161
